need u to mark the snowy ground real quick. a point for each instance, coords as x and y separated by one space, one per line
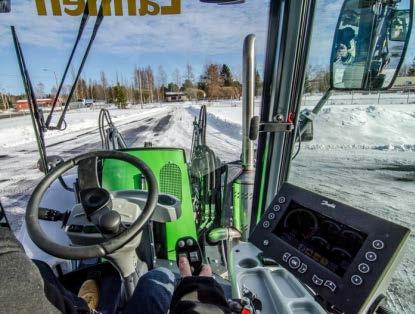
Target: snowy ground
362 155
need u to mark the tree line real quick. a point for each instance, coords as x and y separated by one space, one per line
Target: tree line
146 86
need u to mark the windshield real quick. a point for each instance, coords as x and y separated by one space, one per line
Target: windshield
152 72
361 148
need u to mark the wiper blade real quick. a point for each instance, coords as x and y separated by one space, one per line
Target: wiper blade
37 119
78 38
98 22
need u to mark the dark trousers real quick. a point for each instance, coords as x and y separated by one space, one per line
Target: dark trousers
153 293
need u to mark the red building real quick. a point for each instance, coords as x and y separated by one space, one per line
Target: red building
43 102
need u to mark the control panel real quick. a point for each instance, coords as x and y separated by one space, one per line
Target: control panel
189 248
345 255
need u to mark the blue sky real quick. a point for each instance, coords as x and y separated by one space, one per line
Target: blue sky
202 33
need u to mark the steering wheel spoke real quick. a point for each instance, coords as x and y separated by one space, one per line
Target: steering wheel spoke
88 173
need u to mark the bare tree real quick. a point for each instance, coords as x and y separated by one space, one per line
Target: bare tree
104 84
161 77
177 78
189 75
40 90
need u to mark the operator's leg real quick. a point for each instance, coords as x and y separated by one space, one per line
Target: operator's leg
153 293
21 284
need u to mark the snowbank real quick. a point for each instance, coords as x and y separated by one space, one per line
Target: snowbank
378 127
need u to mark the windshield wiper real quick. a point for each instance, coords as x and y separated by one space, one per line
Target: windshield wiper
78 38
98 22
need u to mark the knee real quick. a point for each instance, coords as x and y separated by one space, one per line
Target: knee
157 280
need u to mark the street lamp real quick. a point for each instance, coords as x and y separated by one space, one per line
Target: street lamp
54 74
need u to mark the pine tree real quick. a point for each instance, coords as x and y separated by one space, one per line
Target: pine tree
120 96
226 75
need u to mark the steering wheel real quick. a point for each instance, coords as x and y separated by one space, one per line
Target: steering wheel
109 244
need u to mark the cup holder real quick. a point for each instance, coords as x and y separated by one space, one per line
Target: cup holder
248 263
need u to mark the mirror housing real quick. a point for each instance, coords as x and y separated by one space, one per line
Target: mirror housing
370 44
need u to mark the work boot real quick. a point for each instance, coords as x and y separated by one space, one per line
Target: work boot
89 291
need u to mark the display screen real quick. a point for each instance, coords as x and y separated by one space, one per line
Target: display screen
328 242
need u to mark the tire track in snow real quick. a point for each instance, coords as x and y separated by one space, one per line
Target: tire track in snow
18 169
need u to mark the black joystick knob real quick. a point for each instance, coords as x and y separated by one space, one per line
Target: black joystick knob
110 222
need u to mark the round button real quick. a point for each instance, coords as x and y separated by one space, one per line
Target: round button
378 244
181 243
271 216
266 242
371 256
265 224
294 262
356 280
363 268
281 200
189 242
277 208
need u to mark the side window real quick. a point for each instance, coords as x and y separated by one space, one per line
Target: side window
360 149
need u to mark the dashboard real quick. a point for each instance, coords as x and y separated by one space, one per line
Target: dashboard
330 243
344 255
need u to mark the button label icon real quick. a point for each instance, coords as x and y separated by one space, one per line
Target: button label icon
286 256
294 262
317 281
363 268
356 280
371 256
303 268
331 285
378 244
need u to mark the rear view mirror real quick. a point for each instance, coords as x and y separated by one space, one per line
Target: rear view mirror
370 43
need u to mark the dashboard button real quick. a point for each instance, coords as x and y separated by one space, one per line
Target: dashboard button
265 224
331 285
356 280
378 244
317 281
271 216
371 256
181 244
281 200
189 242
286 256
294 262
303 268
363 268
277 208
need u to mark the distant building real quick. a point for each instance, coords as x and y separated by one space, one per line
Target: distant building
175 96
43 102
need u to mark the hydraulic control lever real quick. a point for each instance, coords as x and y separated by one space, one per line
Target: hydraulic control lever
189 247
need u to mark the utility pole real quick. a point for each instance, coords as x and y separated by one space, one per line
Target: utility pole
139 86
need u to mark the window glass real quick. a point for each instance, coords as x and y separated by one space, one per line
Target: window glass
362 147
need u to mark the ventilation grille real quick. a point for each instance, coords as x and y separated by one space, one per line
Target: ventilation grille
171 180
